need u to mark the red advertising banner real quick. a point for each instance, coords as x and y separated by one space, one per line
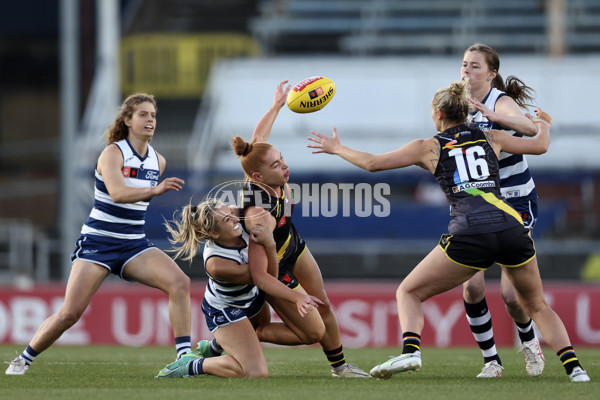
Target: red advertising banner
130 314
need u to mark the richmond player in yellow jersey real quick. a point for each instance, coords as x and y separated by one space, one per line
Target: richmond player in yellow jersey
268 174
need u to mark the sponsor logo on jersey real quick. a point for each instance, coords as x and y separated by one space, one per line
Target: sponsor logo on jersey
281 222
89 251
509 194
130 172
473 185
234 312
484 126
152 175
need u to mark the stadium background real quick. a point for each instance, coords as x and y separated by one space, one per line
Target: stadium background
212 65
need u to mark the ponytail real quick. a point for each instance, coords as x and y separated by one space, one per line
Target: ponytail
191 226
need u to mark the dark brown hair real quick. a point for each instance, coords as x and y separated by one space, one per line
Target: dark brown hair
522 94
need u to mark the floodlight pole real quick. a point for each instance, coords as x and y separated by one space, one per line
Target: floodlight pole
69 116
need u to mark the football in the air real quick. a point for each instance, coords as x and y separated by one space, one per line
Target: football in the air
311 94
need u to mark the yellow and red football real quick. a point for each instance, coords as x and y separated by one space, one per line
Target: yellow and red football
311 94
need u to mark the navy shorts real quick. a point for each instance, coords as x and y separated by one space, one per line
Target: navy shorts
111 253
511 247
219 317
527 209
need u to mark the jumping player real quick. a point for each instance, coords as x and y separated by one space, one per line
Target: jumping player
268 175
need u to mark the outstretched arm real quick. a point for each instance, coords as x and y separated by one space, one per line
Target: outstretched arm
417 152
263 128
508 114
501 140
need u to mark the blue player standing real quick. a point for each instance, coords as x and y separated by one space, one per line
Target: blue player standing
112 239
498 106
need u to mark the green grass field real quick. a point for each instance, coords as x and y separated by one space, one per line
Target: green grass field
105 372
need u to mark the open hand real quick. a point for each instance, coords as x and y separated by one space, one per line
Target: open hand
541 118
324 144
544 116
167 184
306 303
281 93
485 111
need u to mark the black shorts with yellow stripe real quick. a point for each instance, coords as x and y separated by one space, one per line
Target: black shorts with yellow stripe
288 254
511 247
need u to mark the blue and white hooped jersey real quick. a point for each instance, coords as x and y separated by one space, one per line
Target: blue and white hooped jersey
516 183
123 220
222 294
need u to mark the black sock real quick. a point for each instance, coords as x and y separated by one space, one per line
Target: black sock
335 357
411 342
480 322
569 359
526 332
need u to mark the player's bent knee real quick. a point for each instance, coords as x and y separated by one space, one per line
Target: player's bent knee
313 335
401 292
180 286
185 284
512 305
509 296
69 317
473 293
